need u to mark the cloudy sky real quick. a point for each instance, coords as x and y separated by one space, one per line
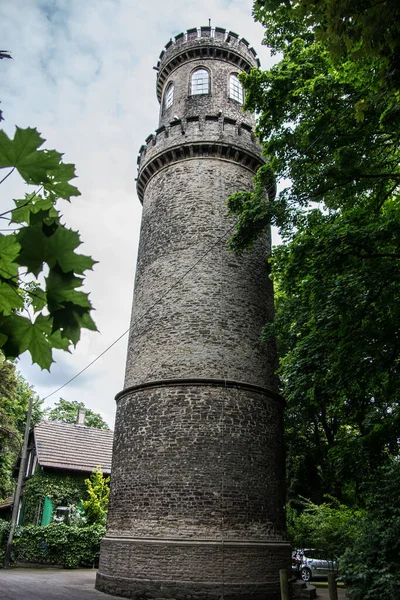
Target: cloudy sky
83 75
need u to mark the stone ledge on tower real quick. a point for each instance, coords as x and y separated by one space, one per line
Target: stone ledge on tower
204 130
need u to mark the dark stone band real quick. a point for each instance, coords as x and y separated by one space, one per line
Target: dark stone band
201 381
223 543
192 150
157 590
210 570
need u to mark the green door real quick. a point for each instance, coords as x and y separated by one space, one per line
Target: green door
47 512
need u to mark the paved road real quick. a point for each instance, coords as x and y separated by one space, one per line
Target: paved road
60 584
49 584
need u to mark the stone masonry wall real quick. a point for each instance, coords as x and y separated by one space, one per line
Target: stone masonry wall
197 461
209 325
185 105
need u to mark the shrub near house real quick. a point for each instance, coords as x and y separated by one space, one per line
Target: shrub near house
72 542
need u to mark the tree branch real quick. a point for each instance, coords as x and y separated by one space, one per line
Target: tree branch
8 175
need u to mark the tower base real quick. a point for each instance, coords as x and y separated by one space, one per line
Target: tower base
191 570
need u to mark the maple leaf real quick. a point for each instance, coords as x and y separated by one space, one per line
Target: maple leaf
41 244
23 154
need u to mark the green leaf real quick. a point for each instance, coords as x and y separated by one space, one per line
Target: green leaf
61 248
22 212
23 154
14 151
37 297
33 249
3 339
59 342
10 298
59 181
17 329
39 342
9 250
35 337
61 289
87 322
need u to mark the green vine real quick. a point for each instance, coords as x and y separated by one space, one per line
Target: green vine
62 489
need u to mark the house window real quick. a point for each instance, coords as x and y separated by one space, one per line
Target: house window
169 96
61 514
200 82
235 89
28 464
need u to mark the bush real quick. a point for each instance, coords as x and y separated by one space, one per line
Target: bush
98 492
57 543
371 568
330 526
4 531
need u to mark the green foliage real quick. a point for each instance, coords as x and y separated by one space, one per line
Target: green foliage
56 543
329 124
15 395
62 489
329 526
350 28
98 492
4 532
66 411
337 321
56 309
371 568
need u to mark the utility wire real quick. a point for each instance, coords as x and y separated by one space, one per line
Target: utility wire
270 188
148 310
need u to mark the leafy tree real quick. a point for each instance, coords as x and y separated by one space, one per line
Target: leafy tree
329 526
329 123
15 394
371 567
98 490
351 28
66 411
41 307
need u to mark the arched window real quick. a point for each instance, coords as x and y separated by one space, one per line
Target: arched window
200 82
169 96
235 89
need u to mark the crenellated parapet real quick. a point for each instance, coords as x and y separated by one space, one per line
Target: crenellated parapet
196 137
204 43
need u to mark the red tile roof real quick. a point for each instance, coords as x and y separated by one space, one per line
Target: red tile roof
73 447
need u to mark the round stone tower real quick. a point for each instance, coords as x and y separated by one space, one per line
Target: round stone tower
197 487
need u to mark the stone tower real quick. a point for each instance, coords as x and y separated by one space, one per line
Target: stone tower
197 488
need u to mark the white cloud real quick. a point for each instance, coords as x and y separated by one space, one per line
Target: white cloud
82 74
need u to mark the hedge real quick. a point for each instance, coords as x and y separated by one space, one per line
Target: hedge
57 543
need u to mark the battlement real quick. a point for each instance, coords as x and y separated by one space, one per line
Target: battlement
204 42
196 136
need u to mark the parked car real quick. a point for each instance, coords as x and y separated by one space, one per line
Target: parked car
309 563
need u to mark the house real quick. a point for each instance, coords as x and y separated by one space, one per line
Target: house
60 457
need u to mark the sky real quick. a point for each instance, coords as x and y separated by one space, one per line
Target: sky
82 74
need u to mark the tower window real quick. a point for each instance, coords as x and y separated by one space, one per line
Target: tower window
235 89
169 96
200 83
